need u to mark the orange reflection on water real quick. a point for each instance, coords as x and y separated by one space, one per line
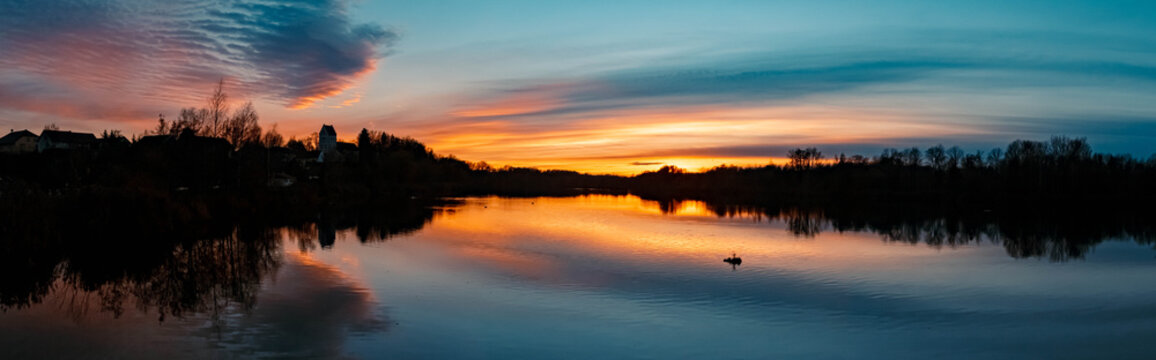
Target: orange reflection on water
345 269
525 236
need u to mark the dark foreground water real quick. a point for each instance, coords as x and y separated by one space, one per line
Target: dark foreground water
598 277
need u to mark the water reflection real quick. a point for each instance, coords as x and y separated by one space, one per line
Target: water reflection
193 276
209 286
1044 233
487 271
308 312
209 275
199 277
618 277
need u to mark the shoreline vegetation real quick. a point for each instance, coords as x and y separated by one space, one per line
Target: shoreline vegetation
109 219
189 186
180 179
214 163
117 206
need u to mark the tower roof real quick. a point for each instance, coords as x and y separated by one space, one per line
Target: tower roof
327 130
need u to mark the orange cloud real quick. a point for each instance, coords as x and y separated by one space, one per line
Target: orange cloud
524 103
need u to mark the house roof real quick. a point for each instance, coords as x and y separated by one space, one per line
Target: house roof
68 137
153 140
327 130
15 135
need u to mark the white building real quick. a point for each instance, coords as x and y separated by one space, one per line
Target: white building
326 142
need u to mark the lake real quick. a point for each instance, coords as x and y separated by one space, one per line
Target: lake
600 276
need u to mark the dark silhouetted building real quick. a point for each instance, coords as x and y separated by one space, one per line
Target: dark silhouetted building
326 142
67 140
18 142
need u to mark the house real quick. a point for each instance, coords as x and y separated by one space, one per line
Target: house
67 140
153 141
326 142
18 142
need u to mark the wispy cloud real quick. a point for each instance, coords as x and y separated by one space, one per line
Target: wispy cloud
294 52
356 98
751 106
789 81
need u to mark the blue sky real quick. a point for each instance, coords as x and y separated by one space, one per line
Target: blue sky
603 85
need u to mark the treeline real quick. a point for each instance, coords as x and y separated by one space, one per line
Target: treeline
197 175
1058 234
133 201
1060 172
214 164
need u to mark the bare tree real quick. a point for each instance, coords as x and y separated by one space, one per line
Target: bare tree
804 158
954 157
937 156
162 126
190 118
994 157
310 141
242 128
218 112
1068 149
911 157
973 161
272 138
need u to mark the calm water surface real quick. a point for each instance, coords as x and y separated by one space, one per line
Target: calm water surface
600 277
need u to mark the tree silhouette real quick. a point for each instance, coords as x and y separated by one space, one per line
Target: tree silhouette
217 112
804 158
272 138
937 157
241 129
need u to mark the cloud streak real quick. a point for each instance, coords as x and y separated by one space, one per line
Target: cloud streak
751 106
786 82
294 52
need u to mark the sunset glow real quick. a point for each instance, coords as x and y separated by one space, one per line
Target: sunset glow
625 179
594 88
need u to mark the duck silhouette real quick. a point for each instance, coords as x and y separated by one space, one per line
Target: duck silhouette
734 260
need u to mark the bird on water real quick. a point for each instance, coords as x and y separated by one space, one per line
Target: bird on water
734 260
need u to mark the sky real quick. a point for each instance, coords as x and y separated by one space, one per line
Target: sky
617 86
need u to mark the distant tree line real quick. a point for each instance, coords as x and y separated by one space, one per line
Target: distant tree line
1060 171
1055 198
213 162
